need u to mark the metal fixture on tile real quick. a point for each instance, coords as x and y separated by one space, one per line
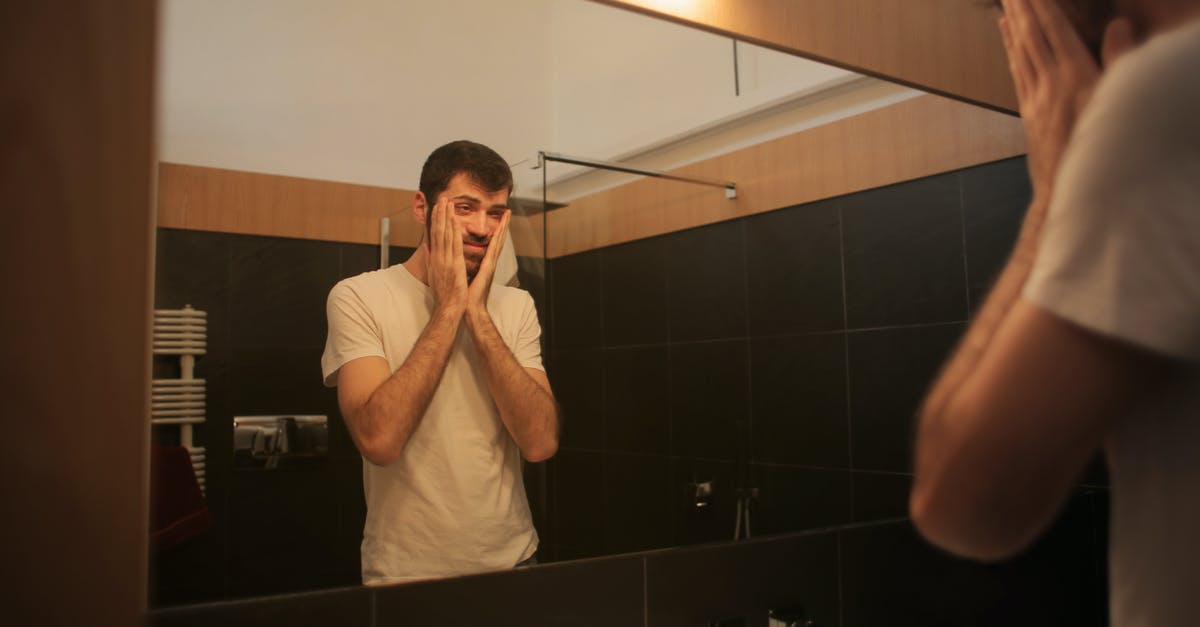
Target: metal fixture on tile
270 442
700 494
746 498
789 617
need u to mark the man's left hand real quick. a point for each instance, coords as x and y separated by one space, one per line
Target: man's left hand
481 285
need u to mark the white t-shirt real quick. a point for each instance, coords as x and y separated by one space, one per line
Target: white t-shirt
454 503
1120 255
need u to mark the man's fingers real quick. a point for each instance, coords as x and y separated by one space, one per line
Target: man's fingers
501 234
1028 36
1059 33
1016 60
1119 38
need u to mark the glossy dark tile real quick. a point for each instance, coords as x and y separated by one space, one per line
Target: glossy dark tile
880 495
893 577
637 502
796 499
995 197
351 517
794 265
636 392
635 293
278 290
279 381
904 254
706 282
578 309
798 392
579 502
691 587
599 593
284 522
890 372
577 377
709 412
193 268
346 606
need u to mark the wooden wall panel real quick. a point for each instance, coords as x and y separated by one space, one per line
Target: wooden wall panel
77 92
911 139
950 47
231 201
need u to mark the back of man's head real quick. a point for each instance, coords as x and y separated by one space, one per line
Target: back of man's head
483 165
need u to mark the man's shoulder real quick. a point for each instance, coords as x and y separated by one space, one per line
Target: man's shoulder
1161 72
367 287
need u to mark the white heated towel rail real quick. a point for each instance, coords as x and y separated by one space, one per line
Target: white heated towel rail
181 332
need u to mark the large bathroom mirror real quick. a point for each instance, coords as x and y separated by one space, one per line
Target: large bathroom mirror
727 367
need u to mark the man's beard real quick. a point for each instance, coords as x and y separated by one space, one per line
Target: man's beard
473 266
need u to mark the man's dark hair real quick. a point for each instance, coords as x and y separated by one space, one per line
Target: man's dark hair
486 169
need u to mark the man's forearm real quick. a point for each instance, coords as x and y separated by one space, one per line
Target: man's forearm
526 408
396 407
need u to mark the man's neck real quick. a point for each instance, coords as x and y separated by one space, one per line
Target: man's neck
418 264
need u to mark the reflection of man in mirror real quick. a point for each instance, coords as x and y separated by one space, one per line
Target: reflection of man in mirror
441 385
1091 335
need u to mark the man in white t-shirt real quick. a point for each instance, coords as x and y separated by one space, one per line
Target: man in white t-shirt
441 385
1091 337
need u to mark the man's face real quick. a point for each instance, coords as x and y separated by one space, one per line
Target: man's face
476 212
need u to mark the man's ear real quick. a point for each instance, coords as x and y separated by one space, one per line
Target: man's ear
420 208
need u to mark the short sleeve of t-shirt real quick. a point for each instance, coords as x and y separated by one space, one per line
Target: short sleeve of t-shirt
1120 249
353 331
528 347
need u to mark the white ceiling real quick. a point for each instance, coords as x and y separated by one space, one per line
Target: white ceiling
362 90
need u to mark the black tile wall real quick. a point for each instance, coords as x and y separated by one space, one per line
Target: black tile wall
577 303
892 577
794 269
278 287
691 587
637 502
890 371
879 495
791 347
579 503
636 411
904 254
349 607
578 382
634 286
597 593
994 200
709 388
265 299
798 386
793 498
706 278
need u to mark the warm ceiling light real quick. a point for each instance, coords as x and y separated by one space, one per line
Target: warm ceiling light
670 5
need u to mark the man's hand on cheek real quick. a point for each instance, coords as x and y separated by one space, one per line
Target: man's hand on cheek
477 293
447 270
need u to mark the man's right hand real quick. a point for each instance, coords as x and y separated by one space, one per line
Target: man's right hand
447 268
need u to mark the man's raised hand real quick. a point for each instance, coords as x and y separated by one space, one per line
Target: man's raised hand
447 269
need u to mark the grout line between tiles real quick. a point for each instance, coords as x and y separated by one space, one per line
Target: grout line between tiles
645 596
962 214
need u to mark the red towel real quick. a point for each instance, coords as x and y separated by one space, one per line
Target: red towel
177 508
